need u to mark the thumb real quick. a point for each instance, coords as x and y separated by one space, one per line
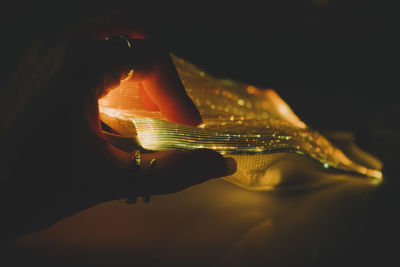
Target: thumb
177 170
172 171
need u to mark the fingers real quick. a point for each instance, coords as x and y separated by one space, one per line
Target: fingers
112 63
164 88
161 87
145 99
177 170
173 171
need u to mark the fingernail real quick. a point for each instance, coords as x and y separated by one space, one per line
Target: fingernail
231 166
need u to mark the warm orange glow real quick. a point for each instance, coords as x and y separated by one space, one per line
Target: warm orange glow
253 126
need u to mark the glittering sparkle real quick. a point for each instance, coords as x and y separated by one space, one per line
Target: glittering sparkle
240 121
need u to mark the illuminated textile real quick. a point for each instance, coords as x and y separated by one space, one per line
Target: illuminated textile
240 121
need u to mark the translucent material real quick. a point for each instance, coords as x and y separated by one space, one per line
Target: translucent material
241 121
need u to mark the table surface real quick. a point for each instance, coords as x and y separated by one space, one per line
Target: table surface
218 223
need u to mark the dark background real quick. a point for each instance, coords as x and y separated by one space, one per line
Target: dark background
313 52
332 61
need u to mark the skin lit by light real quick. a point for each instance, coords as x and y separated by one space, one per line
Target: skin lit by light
230 112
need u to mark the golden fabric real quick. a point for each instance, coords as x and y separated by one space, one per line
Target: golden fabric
253 126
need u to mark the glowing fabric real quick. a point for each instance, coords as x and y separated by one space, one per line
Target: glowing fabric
240 121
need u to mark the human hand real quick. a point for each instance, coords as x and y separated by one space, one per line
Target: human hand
54 158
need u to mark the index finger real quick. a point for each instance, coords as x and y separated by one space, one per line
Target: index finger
154 66
164 88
